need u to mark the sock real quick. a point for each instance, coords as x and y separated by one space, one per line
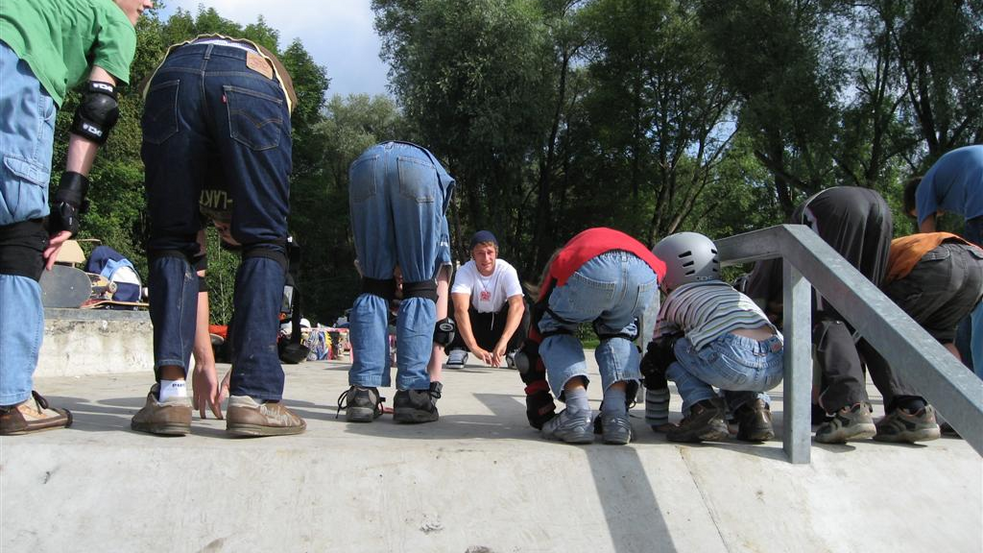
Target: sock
614 401
576 400
172 388
912 404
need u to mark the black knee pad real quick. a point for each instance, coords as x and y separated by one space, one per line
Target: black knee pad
384 288
421 289
444 331
22 248
268 250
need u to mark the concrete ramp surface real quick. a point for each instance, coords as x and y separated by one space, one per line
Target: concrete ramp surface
480 480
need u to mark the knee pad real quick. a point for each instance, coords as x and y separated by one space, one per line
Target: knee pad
421 289
22 249
444 331
384 288
268 250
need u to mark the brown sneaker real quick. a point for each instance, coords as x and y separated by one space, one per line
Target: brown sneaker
754 422
245 417
166 418
704 423
32 415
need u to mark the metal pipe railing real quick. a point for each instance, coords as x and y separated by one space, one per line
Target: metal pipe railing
919 359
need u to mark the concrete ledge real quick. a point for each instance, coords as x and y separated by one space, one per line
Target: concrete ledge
80 342
478 481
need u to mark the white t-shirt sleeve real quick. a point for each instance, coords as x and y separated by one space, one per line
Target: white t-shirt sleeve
464 279
510 282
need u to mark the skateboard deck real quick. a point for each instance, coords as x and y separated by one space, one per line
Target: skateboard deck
65 286
97 303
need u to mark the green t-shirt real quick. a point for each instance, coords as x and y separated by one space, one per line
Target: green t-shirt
61 40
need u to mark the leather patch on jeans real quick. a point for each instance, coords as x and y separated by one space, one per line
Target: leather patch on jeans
259 64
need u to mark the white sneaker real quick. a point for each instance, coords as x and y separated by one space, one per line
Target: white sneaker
456 359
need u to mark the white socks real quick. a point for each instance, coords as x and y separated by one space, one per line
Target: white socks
172 388
576 400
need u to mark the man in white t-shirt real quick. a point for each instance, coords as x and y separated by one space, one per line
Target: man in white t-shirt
491 317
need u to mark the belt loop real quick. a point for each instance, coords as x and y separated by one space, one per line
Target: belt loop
208 51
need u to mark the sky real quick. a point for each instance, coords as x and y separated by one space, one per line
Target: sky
337 33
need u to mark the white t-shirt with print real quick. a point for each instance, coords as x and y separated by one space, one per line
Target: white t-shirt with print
488 293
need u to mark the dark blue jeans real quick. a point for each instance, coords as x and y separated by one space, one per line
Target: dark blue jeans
208 116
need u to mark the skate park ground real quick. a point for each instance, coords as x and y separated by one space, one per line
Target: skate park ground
480 481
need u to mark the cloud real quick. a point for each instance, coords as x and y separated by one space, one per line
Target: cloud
337 33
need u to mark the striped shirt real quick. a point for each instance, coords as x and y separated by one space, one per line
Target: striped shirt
704 311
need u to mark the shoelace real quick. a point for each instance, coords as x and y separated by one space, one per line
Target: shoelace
346 396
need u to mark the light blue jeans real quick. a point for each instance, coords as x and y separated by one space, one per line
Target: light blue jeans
613 290
743 368
398 194
27 124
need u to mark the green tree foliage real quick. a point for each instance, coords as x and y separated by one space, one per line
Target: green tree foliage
650 116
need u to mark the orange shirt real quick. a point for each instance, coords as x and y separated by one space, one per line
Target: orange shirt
907 251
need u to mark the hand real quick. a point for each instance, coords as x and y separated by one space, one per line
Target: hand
483 354
498 354
207 391
54 246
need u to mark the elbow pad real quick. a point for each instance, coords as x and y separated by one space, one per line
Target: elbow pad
97 113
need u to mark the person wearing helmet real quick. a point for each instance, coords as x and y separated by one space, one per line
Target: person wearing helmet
710 335
601 276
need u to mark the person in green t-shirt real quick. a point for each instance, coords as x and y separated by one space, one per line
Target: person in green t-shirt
46 48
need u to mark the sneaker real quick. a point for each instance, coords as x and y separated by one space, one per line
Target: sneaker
32 415
456 359
166 418
852 422
948 430
416 406
902 425
572 429
754 422
360 404
614 428
704 423
246 417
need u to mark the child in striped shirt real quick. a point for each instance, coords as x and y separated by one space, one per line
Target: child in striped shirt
710 335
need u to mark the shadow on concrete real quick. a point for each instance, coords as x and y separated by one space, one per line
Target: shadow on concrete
631 510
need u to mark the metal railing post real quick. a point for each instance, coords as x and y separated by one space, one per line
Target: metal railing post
797 382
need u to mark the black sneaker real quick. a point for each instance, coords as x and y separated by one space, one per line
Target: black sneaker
754 422
705 422
415 406
360 404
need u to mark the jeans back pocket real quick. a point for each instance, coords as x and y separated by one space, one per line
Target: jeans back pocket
362 183
159 121
417 179
255 118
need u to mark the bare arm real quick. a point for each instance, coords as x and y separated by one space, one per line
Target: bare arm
516 309
928 225
461 304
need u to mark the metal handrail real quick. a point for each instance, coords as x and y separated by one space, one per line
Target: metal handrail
912 353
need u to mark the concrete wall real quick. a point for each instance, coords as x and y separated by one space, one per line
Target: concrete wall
95 341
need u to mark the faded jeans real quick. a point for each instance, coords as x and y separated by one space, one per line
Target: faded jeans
612 289
740 366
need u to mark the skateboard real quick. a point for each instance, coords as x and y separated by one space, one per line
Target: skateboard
101 303
65 286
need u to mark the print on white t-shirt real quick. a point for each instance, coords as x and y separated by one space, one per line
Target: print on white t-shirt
488 293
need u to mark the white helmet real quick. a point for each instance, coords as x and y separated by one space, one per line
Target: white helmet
689 257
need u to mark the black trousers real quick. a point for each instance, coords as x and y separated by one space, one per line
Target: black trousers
489 327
